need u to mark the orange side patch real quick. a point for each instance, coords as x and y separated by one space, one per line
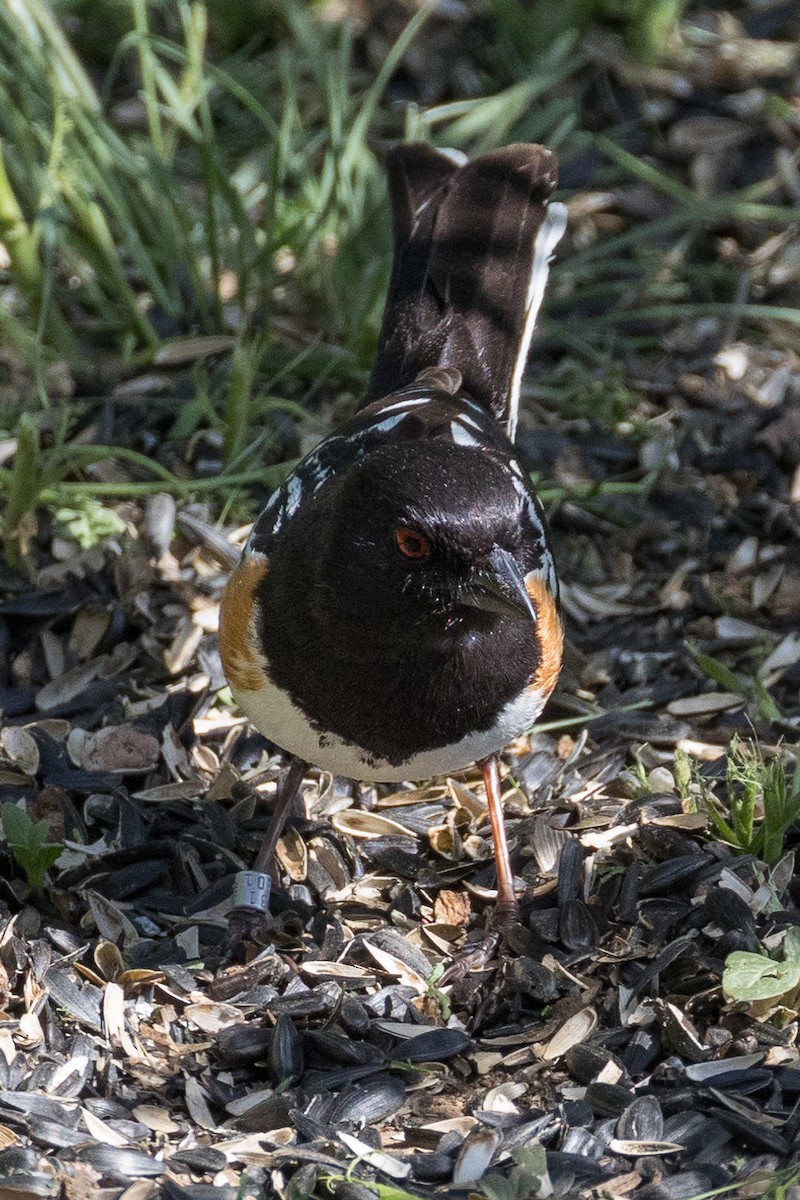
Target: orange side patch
550 634
241 659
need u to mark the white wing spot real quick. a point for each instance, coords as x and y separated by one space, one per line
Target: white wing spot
469 421
461 435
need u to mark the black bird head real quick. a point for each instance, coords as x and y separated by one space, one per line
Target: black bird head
430 535
404 602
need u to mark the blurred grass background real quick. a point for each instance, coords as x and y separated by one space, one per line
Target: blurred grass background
194 186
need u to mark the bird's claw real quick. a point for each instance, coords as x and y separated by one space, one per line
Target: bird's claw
473 958
478 956
244 925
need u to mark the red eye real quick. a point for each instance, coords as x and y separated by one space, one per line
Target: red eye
411 542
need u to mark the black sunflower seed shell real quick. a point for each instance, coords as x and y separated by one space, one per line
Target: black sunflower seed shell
26 1183
754 1134
238 1045
642 1121
121 1163
200 1160
431 1167
724 908
327 1047
544 922
318 1080
32 1104
742 1082
53 1134
669 876
685 1184
581 1141
570 871
585 1061
576 926
788 1078
607 1099
273 1112
369 1102
436 1045
641 1052
285 1052
394 943
535 980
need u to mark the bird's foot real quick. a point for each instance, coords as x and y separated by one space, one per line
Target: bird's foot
484 955
245 926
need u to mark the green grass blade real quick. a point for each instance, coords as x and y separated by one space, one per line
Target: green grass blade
147 68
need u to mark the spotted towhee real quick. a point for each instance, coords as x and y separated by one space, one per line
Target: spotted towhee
395 614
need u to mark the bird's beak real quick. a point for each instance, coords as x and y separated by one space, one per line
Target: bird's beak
498 586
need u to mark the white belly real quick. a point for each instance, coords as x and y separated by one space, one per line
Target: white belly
272 711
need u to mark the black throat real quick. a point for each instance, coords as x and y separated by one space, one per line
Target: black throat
393 690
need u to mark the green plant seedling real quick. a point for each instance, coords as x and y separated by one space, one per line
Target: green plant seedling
435 992
29 843
88 522
754 978
760 804
527 1180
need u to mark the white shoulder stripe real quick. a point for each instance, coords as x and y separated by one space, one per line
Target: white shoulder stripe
402 405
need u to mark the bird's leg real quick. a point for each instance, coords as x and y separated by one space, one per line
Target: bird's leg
288 789
251 889
506 909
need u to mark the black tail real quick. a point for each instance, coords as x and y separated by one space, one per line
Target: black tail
472 244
